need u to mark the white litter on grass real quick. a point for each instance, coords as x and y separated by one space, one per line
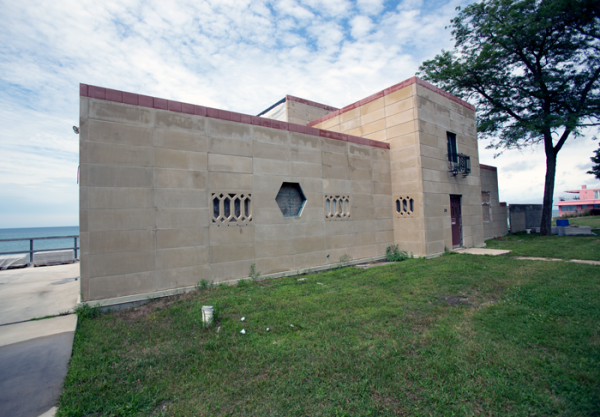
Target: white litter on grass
243 331
302 279
218 329
319 283
291 325
267 329
243 318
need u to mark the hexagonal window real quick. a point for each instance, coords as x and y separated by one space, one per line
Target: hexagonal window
290 199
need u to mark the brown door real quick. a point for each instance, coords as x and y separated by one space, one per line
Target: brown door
456 221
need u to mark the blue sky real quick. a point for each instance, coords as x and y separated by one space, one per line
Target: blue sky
235 55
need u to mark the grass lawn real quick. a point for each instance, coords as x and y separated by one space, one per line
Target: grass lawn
591 221
562 247
455 335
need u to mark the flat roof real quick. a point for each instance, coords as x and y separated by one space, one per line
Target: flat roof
102 93
390 90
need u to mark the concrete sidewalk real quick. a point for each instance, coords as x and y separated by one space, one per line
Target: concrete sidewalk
497 252
482 251
38 292
34 355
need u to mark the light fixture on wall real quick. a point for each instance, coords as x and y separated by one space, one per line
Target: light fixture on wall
76 130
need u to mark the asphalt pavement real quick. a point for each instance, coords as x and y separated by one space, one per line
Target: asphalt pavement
34 355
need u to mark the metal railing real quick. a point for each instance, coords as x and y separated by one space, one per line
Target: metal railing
31 250
459 163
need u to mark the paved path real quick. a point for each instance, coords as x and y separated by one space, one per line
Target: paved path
29 293
496 252
34 355
482 251
578 261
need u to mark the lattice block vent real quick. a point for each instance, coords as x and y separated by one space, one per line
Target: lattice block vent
485 206
337 207
404 206
231 209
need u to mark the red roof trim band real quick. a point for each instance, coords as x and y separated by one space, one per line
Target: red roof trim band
176 106
488 167
310 103
390 90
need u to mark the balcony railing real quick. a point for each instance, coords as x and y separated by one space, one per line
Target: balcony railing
31 250
459 164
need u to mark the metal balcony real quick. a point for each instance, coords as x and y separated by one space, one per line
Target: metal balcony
459 163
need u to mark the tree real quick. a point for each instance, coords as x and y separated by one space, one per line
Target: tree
596 167
532 69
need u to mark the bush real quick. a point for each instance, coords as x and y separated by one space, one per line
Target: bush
392 254
582 213
86 311
345 259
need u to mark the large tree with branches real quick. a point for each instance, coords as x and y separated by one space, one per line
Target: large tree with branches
532 68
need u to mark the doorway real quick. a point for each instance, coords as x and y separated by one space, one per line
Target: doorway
456 221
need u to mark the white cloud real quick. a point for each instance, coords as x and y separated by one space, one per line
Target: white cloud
292 8
237 55
330 8
361 26
370 7
410 4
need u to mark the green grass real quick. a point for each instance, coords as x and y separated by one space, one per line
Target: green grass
561 247
455 335
591 221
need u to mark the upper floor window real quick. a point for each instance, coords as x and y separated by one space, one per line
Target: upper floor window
457 162
596 195
452 154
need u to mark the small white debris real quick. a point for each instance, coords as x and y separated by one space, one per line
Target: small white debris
243 331
319 283
268 329
302 279
243 318
218 329
291 325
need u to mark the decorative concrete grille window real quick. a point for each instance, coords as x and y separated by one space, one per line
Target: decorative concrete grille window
290 199
596 195
231 209
485 206
404 206
569 208
337 207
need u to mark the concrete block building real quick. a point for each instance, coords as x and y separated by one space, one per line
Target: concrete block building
172 193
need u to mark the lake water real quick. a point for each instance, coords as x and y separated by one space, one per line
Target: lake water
38 232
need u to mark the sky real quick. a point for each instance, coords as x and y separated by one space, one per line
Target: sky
235 55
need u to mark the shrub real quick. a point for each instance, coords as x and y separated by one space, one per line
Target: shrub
393 254
203 285
86 311
253 274
345 259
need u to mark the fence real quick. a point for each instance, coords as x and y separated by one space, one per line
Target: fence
31 250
